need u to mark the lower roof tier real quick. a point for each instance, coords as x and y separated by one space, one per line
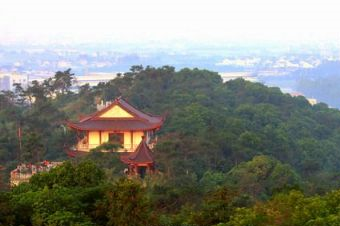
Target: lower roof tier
114 125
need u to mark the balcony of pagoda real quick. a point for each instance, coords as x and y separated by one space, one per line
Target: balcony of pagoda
85 147
128 140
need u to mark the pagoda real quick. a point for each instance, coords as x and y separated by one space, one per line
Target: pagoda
117 122
140 162
120 123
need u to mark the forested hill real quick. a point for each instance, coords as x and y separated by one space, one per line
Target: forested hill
253 139
210 125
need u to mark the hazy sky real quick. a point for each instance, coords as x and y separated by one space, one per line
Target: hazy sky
153 20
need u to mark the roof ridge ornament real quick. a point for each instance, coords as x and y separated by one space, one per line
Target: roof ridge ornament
117 99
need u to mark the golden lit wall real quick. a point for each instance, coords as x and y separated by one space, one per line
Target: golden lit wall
116 112
94 139
105 136
127 140
137 137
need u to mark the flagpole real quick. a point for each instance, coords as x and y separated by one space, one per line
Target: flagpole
20 143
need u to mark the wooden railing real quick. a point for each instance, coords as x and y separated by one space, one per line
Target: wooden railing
88 147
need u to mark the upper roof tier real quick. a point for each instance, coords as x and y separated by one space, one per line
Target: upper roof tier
118 116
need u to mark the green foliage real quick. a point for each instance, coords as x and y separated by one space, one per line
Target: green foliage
290 209
84 174
107 146
56 206
32 148
212 180
243 217
7 216
212 125
217 207
109 162
66 218
228 154
62 81
263 175
127 205
67 195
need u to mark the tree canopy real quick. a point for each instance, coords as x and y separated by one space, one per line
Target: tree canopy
230 153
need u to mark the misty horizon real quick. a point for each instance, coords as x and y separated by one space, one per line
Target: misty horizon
167 21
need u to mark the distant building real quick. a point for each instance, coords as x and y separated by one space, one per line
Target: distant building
94 78
117 122
311 101
121 124
24 172
296 94
227 76
5 83
140 162
7 80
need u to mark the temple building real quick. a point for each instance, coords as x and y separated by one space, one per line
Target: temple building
24 172
140 162
120 123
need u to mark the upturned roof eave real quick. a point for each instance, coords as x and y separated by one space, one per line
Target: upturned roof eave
83 128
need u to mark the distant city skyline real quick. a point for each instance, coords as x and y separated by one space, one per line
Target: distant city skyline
132 21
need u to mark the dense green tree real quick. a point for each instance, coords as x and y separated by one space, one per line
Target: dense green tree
84 174
7 216
32 148
217 207
62 81
236 135
129 198
262 175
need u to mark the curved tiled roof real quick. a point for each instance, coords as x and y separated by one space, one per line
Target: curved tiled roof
115 125
142 155
139 121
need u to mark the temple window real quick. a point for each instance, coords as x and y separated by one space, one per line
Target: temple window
116 138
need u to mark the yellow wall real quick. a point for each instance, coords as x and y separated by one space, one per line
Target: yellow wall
116 112
105 136
137 137
94 139
127 140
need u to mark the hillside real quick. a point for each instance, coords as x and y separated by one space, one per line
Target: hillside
235 139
